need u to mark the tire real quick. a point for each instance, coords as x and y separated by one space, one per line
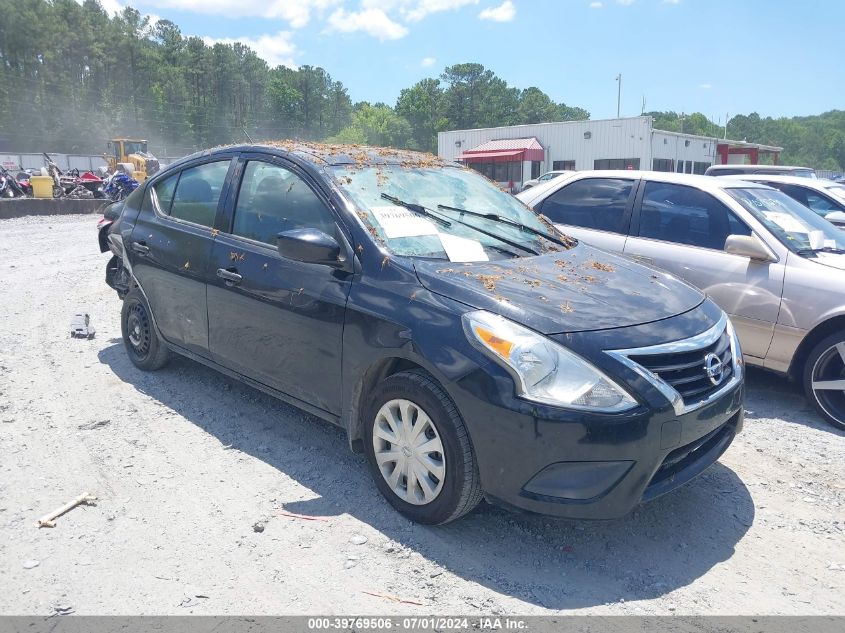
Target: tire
429 499
146 349
826 364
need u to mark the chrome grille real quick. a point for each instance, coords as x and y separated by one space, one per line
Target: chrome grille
686 371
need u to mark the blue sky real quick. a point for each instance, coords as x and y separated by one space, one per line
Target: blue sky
775 57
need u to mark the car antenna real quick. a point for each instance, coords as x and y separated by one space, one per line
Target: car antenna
248 137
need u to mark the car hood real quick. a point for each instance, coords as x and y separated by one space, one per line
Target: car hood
573 291
834 260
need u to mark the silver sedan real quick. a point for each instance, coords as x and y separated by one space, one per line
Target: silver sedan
771 263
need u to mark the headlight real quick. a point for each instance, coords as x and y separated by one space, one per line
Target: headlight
544 371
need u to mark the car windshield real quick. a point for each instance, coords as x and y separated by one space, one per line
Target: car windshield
796 226
407 233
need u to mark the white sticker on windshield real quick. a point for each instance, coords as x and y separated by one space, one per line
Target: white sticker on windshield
785 221
400 222
461 249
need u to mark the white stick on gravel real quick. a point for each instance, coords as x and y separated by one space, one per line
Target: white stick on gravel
48 520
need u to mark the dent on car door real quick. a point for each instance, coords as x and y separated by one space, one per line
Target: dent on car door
595 210
276 320
683 230
170 246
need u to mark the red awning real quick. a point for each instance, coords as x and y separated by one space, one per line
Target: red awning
485 156
505 150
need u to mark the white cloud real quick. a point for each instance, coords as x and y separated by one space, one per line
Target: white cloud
297 13
505 12
671 1
423 8
625 3
374 22
596 5
705 86
274 49
428 62
111 6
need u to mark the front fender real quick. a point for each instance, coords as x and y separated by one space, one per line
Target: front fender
393 323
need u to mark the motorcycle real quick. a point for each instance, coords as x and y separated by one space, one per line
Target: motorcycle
117 186
9 186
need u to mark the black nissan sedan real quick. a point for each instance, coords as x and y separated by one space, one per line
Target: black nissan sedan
468 349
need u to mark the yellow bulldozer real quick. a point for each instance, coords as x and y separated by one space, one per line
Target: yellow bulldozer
131 156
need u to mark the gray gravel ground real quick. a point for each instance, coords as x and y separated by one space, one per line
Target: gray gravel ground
186 461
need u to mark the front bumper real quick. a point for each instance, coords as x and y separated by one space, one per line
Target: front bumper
592 466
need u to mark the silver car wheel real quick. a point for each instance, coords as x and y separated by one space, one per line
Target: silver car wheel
409 452
828 381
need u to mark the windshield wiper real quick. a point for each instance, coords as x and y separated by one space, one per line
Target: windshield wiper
503 220
824 249
418 208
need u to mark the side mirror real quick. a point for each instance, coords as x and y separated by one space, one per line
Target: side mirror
311 246
749 246
837 217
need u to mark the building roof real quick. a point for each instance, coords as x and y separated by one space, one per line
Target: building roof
522 148
506 144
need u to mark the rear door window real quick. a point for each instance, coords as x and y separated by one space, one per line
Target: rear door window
198 192
686 215
591 203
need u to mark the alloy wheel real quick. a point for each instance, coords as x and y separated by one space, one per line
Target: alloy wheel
409 452
828 381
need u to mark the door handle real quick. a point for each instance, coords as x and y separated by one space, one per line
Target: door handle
231 277
140 248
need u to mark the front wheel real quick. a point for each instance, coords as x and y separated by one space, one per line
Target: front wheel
145 347
824 379
419 451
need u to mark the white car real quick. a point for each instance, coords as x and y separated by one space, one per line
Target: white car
549 175
825 197
768 261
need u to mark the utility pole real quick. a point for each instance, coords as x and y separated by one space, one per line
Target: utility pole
619 95
727 114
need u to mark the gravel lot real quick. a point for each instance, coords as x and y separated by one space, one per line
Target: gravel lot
185 461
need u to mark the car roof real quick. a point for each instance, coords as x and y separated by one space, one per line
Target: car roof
323 154
751 168
813 183
707 183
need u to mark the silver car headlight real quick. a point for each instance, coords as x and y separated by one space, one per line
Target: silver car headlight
544 371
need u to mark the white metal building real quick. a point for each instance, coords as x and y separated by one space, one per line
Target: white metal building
513 154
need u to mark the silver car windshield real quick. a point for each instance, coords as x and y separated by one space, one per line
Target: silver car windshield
797 227
404 232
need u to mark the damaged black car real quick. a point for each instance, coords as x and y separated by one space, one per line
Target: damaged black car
469 350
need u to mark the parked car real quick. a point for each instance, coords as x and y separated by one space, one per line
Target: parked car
466 347
783 170
825 197
549 175
772 264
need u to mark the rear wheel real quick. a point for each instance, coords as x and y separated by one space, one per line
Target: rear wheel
419 451
145 347
824 379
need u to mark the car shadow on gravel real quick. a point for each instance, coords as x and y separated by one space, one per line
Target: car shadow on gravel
555 564
769 395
